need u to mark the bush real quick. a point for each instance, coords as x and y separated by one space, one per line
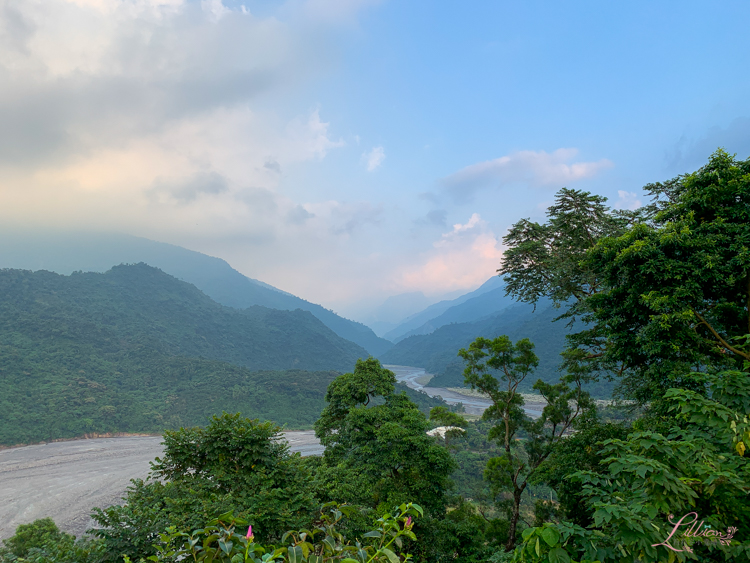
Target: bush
42 542
323 543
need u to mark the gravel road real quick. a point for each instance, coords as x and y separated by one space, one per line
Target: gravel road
65 480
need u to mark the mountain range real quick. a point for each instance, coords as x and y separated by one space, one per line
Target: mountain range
64 253
486 300
437 351
137 350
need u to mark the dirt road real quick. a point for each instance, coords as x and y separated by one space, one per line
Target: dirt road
65 480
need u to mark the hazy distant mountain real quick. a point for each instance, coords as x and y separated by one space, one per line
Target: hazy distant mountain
389 314
486 300
69 252
437 352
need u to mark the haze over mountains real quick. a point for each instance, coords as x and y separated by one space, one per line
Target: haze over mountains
489 298
429 338
97 252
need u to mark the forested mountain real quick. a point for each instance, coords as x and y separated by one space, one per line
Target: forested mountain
65 253
486 300
437 351
470 310
138 304
138 350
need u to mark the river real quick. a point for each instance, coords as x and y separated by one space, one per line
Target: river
472 405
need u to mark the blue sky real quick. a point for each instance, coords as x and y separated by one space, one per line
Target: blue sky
346 151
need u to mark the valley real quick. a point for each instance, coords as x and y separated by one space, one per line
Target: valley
472 404
66 480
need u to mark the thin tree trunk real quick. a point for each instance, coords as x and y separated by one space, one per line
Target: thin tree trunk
510 545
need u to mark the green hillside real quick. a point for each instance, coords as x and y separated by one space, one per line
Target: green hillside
66 252
68 389
437 352
135 350
133 305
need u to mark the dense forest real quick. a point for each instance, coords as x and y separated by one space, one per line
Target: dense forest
65 252
660 297
135 350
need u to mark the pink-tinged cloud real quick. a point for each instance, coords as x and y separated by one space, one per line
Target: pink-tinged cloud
463 258
530 168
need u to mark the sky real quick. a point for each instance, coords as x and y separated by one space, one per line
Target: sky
351 150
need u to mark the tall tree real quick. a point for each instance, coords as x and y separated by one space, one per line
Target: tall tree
678 287
496 368
546 261
662 291
377 449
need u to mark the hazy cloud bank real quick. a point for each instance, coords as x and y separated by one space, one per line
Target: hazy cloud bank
530 168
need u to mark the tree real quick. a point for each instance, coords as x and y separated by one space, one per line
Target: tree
496 368
652 479
546 261
662 291
234 464
577 453
677 293
42 542
377 450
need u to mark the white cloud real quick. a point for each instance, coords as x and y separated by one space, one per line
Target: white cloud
160 118
628 200
312 137
374 158
458 228
336 12
216 8
524 167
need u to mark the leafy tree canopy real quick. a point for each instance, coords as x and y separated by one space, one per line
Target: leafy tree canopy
377 448
662 290
234 464
497 368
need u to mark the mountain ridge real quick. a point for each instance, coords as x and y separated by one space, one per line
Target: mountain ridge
438 314
67 252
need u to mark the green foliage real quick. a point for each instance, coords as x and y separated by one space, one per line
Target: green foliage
663 290
497 368
578 452
323 543
420 398
369 380
463 534
649 480
472 450
118 352
36 534
377 450
42 542
677 288
442 416
234 464
546 261
550 543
